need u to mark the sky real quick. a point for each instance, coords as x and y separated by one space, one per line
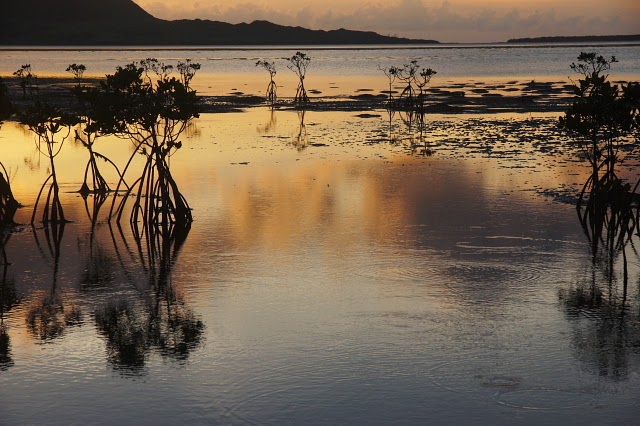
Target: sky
442 20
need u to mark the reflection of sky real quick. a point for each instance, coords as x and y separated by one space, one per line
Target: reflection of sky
347 282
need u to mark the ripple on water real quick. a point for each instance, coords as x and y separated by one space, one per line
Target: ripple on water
548 399
484 258
466 376
508 383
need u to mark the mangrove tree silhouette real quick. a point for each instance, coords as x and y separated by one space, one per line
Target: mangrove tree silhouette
27 80
600 115
271 93
143 103
52 127
299 63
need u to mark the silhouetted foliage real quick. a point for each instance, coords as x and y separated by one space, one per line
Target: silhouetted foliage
412 100
78 71
407 75
187 70
415 79
422 79
271 93
143 103
299 63
392 74
28 80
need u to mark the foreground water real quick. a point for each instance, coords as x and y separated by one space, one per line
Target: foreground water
334 275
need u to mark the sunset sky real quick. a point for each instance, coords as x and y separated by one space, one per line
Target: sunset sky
443 20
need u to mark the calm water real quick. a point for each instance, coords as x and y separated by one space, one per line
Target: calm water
330 277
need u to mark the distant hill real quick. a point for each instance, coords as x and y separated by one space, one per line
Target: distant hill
124 23
576 39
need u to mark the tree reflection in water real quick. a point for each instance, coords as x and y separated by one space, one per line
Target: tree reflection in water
606 326
48 318
158 319
604 315
301 139
8 300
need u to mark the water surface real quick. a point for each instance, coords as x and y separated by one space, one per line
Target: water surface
332 277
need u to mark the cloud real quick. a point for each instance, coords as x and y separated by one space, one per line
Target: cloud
455 20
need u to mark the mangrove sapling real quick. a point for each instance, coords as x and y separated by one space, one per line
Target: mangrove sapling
78 71
51 127
27 80
422 79
271 87
152 115
299 63
187 71
407 75
392 74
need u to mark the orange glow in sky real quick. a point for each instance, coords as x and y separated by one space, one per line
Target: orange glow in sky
443 20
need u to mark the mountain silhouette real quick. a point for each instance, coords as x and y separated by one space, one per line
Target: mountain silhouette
124 23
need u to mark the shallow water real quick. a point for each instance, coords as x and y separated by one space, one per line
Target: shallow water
333 274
